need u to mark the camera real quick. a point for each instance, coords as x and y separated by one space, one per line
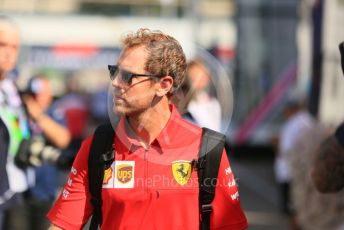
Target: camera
34 86
35 151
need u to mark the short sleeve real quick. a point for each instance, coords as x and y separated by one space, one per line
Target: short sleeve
227 212
73 208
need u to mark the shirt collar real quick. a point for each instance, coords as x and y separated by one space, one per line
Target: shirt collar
128 138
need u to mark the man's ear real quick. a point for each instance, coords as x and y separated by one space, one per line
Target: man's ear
164 86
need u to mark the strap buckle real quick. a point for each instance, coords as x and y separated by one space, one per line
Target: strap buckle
207 208
198 164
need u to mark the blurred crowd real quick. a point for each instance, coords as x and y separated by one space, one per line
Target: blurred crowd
39 137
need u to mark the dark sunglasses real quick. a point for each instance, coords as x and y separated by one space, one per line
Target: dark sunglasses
126 76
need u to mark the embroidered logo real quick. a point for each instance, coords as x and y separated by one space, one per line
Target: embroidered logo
181 171
107 175
124 173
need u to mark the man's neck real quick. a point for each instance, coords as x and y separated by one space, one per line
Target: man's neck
148 125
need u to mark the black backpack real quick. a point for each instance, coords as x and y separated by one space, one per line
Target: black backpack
102 155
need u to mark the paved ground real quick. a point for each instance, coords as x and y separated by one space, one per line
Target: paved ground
258 192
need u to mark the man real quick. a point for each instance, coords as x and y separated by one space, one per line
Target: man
151 184
202 101
48 125
13 125
328 171
296 120
312 209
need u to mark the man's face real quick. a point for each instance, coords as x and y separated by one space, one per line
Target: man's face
134 98
9 44
199 77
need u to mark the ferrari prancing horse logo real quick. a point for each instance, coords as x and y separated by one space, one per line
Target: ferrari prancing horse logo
181 171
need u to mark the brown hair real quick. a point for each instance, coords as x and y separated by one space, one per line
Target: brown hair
165 54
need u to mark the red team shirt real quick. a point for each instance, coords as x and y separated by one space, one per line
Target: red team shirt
154 188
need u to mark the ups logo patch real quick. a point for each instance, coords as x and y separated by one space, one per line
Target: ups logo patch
124 173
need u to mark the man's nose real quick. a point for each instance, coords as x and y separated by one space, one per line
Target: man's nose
116 82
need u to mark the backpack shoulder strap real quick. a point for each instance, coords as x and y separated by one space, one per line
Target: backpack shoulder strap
100 157
208 165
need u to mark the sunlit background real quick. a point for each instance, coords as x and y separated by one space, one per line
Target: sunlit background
271 51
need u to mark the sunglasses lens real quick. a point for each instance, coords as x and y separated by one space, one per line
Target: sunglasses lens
126 76
113 70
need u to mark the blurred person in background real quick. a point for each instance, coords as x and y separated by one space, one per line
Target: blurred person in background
99 106
48 123
312 210
182 98
328 170
13 130
75 109
203 106
318 167
296 119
